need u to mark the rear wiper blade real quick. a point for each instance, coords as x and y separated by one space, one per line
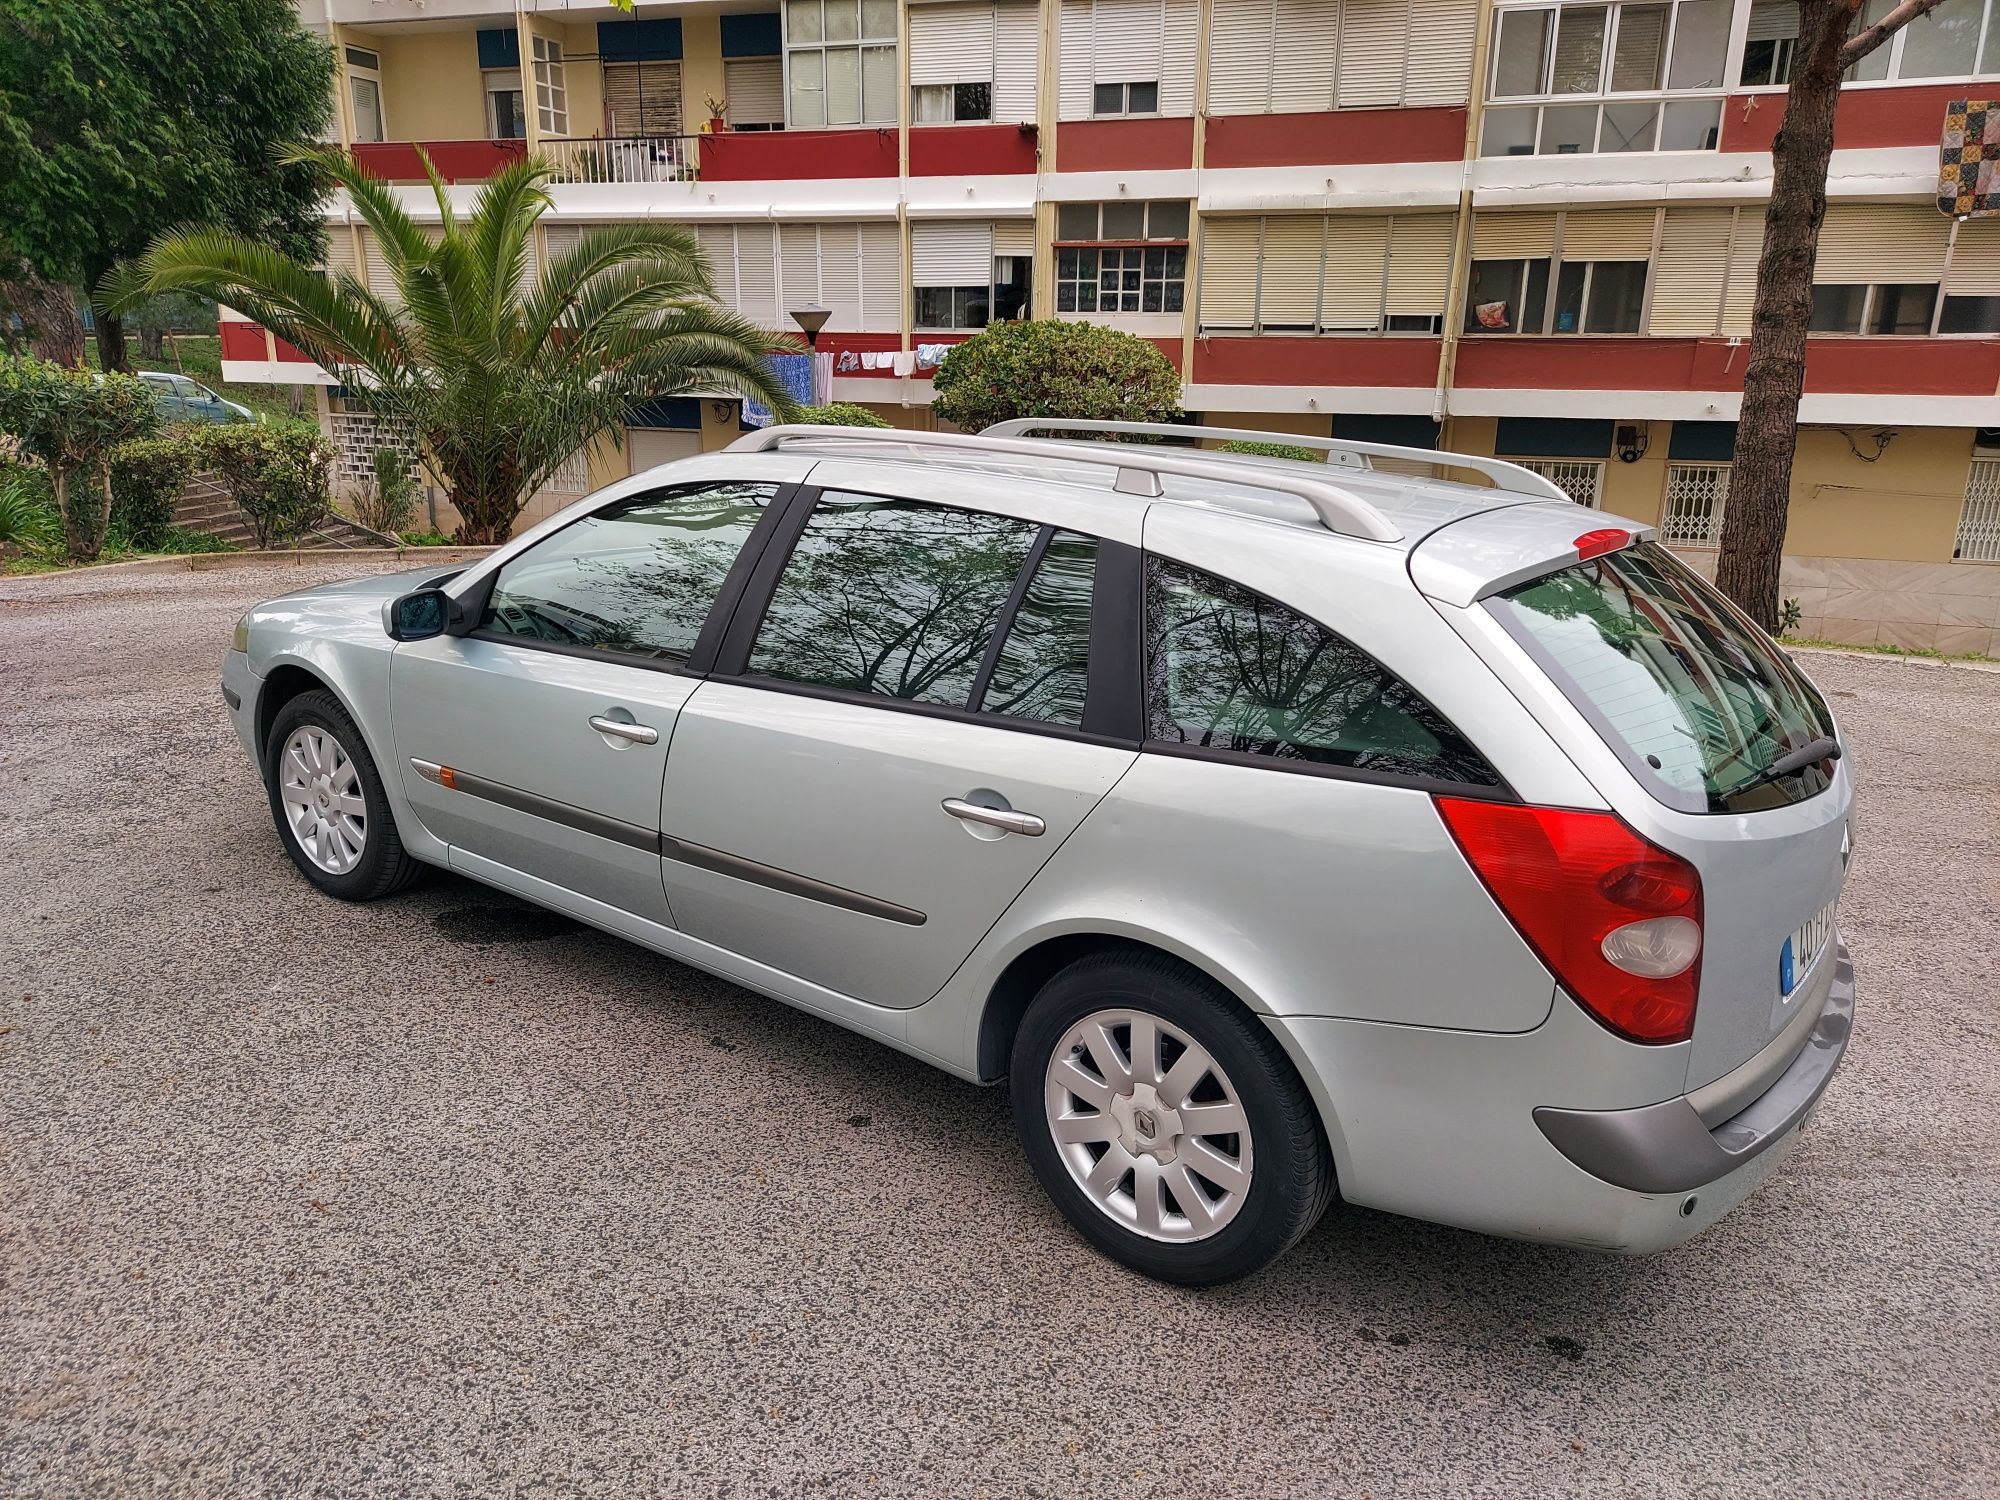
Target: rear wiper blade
1826 747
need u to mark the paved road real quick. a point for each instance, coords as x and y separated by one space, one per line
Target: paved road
447 1197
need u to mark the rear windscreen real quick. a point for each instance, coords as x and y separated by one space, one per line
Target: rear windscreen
1698 702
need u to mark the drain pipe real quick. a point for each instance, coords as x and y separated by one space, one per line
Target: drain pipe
1461 245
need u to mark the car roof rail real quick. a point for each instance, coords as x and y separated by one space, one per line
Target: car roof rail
1505 476
1138 468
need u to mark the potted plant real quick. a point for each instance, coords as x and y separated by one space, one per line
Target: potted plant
718 110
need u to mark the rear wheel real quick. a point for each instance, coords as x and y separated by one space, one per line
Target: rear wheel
328 802
1165 1121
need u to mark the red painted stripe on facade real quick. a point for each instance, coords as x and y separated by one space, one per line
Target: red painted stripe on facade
1124 145
1335 136
1276 359
973 150
291 354
784 155
242 341
1912 116
456 161
1834 366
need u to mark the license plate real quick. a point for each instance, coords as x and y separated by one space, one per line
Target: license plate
1800 952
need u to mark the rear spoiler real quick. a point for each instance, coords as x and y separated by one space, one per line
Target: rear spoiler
1466 560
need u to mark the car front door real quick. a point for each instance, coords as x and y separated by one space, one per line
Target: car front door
538 741
915 706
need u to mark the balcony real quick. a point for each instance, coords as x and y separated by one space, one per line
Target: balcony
624 158
456 161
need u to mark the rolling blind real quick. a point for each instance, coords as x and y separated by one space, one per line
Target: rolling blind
1690 271
1773 20
1741 290
1357 252
754 89
799 265
1885 242
1073 61
883 285
1438 68
1229 272
1180 24
951 43
1288 293
1373 51
718 248
1608 234
1241 47
1975 260
1527 236
340 259
1305 36
1420 248
951 252
1017 52
838 262
560 239
376 266
1014 237
642 98
1126 40
757 276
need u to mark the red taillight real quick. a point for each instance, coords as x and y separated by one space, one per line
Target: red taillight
1597 543
1608 912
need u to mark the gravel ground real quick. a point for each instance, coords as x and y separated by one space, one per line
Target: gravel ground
447 1197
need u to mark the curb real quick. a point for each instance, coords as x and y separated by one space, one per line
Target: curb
1898 657
209 562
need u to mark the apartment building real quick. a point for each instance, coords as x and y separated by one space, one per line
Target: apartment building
1526 228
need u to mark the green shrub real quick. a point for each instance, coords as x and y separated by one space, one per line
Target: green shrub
1276 450
425 539
1055 369
839 414
280 476
147 476
27 510
390 498
70 420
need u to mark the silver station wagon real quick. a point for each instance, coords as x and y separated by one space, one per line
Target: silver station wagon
1277 829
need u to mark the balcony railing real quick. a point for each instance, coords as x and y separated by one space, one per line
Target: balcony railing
624 158
456 161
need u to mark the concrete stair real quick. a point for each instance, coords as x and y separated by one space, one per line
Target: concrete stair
206 507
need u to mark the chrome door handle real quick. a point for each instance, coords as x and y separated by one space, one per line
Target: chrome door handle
640 734
1004 818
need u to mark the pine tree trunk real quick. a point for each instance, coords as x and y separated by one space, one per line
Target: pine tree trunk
1760 481
111 353
48 311
153 343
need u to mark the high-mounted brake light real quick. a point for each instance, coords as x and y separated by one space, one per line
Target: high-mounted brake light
1597 543
1616 919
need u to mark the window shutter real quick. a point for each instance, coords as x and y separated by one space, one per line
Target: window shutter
798 266
718 248
1373 35
839 252
1691 271
1126 37
1741 289
882 281
951 252
642 98
1229 272
1303 66
1017 54
1241 46
754 89
1528 236
757 276
1014 237
1609 234
1420 247
1439 67
951 43
1886 242
531 265
340 251
1180 23
376 264
560 239
1073 61
1773 20
1288 292
1975 259
1357 252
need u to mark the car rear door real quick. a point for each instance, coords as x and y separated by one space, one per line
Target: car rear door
916 705
538 741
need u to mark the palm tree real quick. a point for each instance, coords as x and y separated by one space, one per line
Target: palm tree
502 381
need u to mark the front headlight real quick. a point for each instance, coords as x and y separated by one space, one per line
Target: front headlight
240 641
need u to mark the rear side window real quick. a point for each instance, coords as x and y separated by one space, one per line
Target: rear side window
1695 701
1043 668
637 578
1228 669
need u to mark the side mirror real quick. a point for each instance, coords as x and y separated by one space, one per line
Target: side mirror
418 616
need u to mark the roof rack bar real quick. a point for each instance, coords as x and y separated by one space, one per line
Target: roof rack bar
1504 475
1138 468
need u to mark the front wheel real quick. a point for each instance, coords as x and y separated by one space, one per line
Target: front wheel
1165 1121
328 802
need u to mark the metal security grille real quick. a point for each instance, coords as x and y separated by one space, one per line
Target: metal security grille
1696 493
1579 478
356 436
1979 521
571 476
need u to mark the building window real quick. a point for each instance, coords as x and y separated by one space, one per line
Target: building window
1692 515
755 90
1507 296
1905 309
1125 99
1970 315
1614 78
1122 257
642 98
951 308
1600 296
1581 479
840 62
1772 39
364 87
950 103
1591 296
1979 520
551 87
506 112
1325 273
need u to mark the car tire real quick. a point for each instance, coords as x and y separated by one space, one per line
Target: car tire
315 767
1102 1123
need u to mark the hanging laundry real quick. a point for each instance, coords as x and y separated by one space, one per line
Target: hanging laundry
930 356
847 361
904 363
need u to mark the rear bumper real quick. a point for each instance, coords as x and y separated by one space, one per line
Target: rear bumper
1666 1148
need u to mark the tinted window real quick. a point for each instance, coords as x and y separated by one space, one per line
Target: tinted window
892 597
1044 664
1230 670
636 578
1696 701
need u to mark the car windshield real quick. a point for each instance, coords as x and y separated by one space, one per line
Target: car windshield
1699 703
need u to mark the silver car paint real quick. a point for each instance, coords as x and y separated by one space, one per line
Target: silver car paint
1491 1037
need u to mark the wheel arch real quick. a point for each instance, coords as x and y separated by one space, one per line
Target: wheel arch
286 680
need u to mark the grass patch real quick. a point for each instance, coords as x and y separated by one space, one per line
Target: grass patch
1927 653
178 542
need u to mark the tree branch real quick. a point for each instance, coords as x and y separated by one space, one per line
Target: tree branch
1869 38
